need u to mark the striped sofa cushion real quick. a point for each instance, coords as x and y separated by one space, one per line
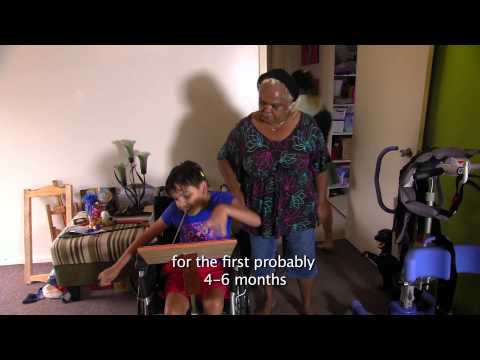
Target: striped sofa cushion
103 247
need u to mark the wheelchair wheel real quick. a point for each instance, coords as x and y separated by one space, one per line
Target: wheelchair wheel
241 301
239 297
145 306
147 287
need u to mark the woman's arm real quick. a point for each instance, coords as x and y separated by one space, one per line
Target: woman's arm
231 180
324 211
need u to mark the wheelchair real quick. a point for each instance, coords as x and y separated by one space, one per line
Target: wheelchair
434 263
418 263
151 280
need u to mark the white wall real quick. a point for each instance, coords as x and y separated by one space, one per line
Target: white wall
287 57
391 94
62 106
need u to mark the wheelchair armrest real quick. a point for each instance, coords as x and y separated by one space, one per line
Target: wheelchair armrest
140 263
467 258
149 277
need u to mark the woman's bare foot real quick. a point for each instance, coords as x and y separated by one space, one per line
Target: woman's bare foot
326 245
307 310
267 307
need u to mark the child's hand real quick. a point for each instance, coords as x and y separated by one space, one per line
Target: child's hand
218 220
108 275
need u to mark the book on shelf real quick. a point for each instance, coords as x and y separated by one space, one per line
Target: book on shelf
343 101
337 126
338 113
347 150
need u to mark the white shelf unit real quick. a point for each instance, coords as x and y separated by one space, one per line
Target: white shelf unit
340 204
341 161
343 106
342 133
338 186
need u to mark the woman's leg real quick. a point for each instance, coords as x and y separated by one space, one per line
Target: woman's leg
176 304
301 244
306 287
325 218
264 248
213 301
269 302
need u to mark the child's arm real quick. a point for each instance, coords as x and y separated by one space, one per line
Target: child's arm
241 213
237 211
109 274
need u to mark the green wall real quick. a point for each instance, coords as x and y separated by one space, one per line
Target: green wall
453 120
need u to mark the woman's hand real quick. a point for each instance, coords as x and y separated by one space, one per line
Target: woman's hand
238 194
107 276
218 220
324 214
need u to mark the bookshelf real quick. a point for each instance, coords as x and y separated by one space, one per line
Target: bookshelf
342 130
340 204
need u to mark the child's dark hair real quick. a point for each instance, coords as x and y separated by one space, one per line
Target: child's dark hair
188 173
305 81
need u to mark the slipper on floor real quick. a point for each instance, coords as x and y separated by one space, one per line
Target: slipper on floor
31 298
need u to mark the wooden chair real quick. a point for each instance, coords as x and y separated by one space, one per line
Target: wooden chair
60 192
58 210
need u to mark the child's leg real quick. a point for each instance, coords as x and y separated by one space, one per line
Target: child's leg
213 301
176 304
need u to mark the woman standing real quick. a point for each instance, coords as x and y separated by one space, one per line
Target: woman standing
275 161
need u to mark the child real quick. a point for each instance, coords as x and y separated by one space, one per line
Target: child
208 216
